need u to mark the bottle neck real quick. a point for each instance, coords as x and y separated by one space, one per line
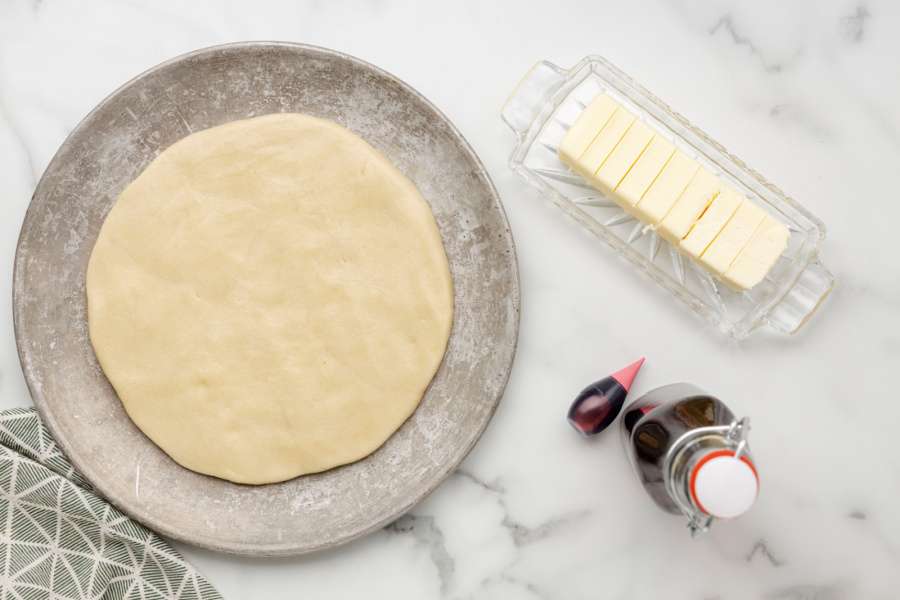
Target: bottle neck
688 452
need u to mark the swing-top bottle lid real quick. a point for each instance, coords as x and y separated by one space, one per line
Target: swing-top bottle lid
723 485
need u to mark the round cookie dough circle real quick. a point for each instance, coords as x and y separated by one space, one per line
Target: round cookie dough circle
269 298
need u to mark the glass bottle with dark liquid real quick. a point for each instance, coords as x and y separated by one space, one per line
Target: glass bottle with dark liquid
690 454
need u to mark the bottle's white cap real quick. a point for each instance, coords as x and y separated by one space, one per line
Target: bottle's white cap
724 486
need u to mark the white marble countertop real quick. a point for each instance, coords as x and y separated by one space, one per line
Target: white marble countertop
805 92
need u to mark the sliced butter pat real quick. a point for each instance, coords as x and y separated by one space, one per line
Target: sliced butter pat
623 156
691 204
586 127
711 223
667 188
758 256
732 239
644 172
603 144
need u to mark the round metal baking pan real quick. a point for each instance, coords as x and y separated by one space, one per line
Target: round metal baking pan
111 146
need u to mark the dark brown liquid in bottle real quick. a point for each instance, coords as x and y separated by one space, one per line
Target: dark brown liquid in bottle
654 422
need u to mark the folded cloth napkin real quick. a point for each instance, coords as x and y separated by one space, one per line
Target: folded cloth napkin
60 540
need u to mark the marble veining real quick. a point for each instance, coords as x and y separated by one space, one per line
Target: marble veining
761 549
19 140
726 25
806 92
854 25
425 532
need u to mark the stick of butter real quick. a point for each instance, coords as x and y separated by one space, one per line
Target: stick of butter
666 189
586 127
645 171
730 236
690 205
758 257
710 223
733 238
623 156
603 144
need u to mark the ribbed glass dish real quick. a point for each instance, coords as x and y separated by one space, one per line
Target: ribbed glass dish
546 103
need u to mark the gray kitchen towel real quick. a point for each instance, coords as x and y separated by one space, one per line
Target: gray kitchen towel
60 540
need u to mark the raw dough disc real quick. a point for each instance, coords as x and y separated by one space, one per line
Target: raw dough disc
269 298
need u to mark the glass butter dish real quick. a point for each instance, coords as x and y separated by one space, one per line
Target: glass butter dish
546 103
